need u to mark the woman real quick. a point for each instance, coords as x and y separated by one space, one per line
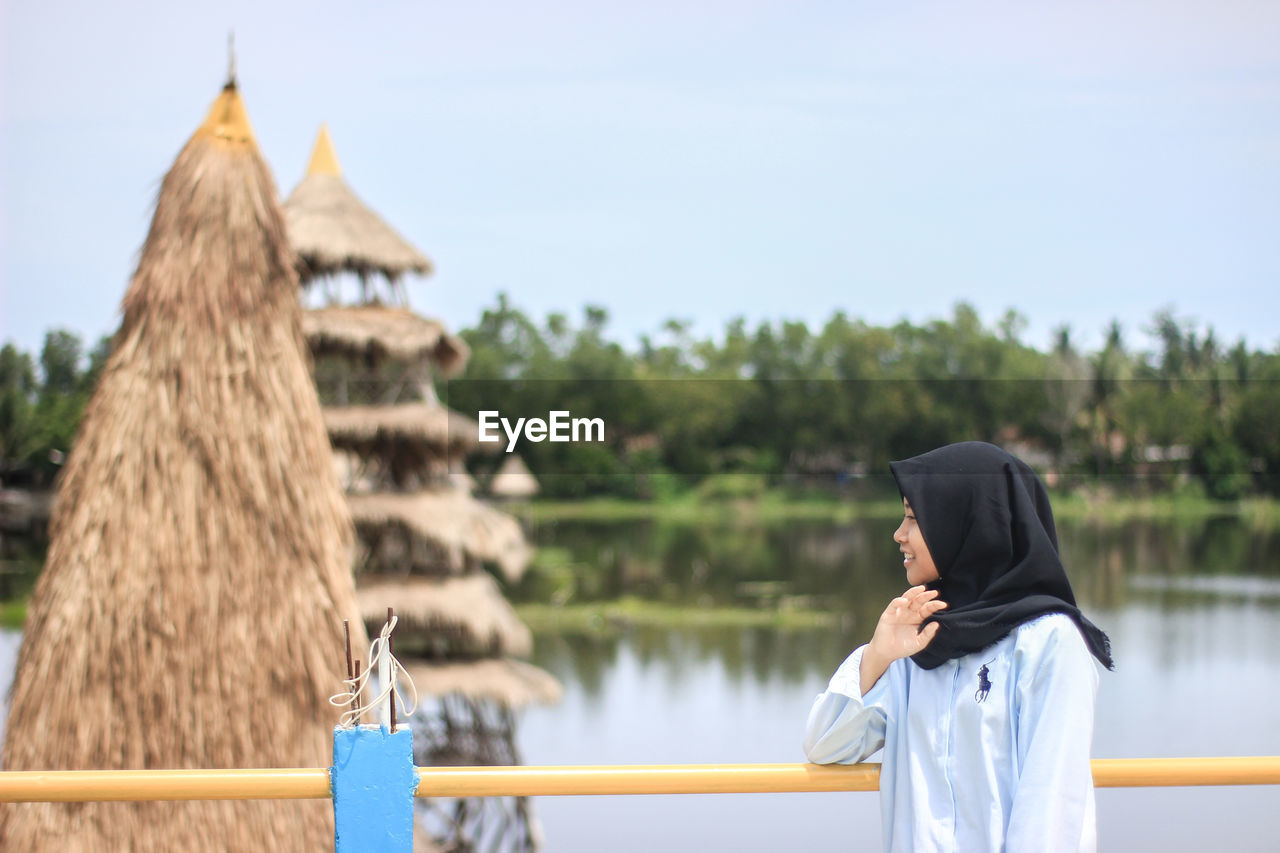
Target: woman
978 682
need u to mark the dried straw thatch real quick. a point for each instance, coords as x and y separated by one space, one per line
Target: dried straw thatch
370 430
510 683
406 446
513 480
332 230
460 531
375 332
462 481
189 614
446 617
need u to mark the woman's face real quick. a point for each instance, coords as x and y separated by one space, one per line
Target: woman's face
916 558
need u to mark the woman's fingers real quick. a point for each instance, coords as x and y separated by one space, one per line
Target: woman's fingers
918 595
907 601
921 603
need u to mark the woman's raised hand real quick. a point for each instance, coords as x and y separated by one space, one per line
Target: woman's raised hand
898 633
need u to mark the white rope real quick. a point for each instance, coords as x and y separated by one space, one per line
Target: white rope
356 685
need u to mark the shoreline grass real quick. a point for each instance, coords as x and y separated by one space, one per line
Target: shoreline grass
1257 512
13 614
619 615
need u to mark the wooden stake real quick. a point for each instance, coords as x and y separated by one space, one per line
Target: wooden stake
346 629
355 691
391 614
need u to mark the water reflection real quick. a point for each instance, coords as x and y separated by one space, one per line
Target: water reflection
854 567
1253 590
741 655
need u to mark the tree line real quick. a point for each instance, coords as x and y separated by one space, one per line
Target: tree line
827 405
784 403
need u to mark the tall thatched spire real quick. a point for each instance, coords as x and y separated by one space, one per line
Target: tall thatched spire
189 614
228 123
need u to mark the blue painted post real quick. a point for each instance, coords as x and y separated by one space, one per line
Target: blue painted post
373 782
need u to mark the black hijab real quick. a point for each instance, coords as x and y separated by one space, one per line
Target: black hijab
986 520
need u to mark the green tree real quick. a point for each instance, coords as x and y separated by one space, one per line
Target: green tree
1068 387
60 359
1113 369
60 400
17 404
1254 428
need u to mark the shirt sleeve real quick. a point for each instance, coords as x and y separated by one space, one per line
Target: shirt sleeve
1057 685
844 726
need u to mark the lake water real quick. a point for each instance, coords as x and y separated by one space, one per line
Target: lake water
1193 611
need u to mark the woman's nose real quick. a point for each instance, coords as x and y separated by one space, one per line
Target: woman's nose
900 535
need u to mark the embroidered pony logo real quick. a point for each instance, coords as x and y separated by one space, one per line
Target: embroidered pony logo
984 684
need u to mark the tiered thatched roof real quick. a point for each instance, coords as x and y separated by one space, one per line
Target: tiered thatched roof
190 611
407 445
510 683
332 230
450 617
367 430
462 531
424 544
373 333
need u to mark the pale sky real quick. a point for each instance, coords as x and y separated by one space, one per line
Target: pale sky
1078 161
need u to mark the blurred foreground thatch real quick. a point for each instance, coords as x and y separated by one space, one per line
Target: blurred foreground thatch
189 614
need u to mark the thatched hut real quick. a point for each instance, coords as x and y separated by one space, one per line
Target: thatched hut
190 612
513 480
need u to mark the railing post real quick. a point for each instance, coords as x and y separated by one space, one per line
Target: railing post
373 781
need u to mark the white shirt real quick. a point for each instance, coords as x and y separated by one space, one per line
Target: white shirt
973 766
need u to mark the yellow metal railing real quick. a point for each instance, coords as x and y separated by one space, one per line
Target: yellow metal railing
313 783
